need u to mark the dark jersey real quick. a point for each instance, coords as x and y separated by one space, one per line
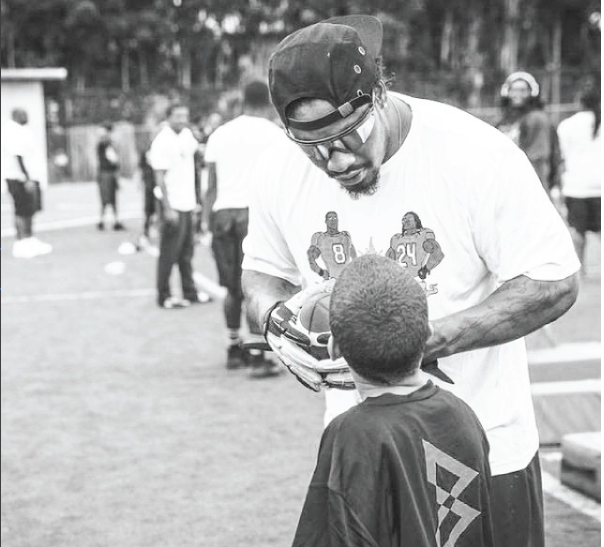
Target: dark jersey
107 156
400 471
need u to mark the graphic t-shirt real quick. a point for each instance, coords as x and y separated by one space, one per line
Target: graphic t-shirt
400 470
465 227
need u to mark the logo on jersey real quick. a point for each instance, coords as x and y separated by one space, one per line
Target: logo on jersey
331 250
454 516
416 249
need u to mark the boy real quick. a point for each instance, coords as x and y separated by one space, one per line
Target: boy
408 465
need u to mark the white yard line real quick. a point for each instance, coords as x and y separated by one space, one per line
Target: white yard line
553 487
551 456
209 286
566 353
204 284
86 295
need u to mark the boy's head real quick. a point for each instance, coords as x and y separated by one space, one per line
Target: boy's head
379 319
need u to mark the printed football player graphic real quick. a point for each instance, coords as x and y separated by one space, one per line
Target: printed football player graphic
416 248
333 248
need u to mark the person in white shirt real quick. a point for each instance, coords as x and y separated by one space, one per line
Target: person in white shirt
506 264
18 170
581 150
231 156
172 157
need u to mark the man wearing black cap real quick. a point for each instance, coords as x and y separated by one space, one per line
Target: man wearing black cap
507 268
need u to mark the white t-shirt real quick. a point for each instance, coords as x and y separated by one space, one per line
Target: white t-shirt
582 154
17 141
235 148
485 217
174 153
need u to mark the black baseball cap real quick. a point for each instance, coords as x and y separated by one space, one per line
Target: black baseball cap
334 60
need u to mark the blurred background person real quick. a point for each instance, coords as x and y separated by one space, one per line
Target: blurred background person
528 125
18 171
581 151
172 158
231 156
109 164
147 176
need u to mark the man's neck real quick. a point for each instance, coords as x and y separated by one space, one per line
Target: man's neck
399 123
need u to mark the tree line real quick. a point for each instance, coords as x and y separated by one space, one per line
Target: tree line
140 44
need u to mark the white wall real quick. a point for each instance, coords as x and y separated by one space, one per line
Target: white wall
29 95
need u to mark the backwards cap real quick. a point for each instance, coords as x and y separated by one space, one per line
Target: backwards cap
334 60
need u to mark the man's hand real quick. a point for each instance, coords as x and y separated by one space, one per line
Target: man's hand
286 340
29 185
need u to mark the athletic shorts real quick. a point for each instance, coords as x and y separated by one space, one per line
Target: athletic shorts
584 214
229 228
27 203
108 187
517 507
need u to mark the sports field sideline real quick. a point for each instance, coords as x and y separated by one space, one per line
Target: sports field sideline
121 427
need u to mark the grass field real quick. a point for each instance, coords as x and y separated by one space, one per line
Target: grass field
122 428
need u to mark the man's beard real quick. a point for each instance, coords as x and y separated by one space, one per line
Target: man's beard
367 187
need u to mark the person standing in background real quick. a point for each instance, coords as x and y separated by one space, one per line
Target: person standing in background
17 170
581 150
148 182
172 158
109 164
528 125
231 156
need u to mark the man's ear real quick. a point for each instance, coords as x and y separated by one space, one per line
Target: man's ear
380 93
333 349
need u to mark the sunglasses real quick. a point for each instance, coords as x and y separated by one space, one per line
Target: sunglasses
349 140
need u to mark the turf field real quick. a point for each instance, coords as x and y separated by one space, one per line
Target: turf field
121 427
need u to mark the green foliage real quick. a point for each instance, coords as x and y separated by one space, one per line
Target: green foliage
162 44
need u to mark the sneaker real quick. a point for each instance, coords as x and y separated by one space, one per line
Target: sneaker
119 227
172 303
236 357
40 247
100 226
263 367
24 248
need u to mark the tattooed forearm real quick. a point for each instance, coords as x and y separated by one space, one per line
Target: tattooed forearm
261 292
517 308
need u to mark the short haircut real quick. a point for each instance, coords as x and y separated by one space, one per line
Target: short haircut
379 319
255 95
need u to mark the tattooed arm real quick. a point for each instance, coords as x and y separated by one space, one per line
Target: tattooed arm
262 292
517 308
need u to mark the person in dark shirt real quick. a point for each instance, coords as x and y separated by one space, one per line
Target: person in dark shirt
525 121
108 164
409 465
148 179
